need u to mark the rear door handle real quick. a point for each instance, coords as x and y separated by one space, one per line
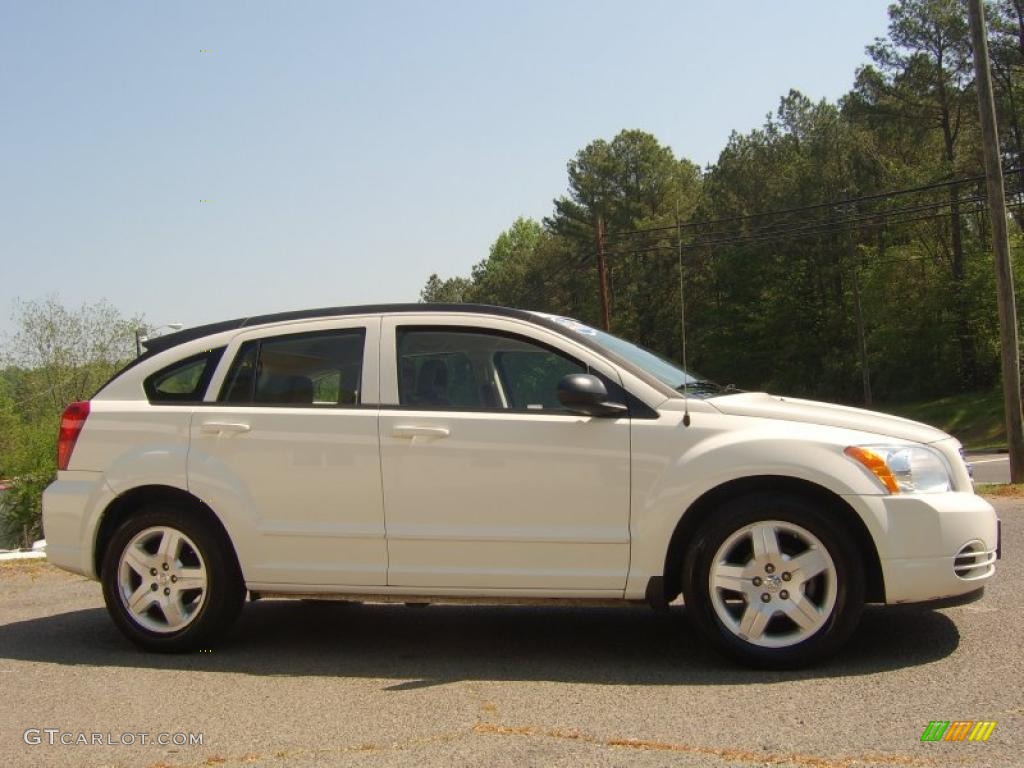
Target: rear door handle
224 427
409 430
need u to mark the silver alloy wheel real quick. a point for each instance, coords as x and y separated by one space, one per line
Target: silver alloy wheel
773 583
162 579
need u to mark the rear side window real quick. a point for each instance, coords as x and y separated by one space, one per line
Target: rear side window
319 368
184 381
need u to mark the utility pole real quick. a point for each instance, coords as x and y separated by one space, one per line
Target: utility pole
602 274
862 343
1000 243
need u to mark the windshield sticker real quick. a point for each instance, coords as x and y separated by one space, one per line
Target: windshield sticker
572 325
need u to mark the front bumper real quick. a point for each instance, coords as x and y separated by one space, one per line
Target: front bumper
932 546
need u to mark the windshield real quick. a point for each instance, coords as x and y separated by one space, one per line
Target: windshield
654 364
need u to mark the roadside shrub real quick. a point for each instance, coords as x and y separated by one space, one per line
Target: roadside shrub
29 464
22 509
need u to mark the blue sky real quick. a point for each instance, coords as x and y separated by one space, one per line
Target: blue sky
350 149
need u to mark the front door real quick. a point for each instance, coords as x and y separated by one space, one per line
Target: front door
488 482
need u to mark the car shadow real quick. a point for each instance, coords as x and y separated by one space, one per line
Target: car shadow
419 647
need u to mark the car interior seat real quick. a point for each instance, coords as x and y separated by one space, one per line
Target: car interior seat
432 383
276 388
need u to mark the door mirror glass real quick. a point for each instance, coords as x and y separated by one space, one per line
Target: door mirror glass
585 393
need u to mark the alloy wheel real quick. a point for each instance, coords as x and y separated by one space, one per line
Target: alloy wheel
773 584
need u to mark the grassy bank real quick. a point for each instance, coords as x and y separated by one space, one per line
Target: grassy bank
1001 491
975 419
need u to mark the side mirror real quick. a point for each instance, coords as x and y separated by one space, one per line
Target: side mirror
585 393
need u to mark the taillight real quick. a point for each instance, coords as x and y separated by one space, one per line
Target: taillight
71 424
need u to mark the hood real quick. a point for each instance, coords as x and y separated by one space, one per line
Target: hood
765 406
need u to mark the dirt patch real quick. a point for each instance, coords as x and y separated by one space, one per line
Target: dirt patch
1003 491
33 569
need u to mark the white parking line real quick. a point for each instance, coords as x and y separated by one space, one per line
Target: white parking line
989 461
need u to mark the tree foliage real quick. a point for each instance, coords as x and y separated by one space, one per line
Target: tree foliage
57 355
800 274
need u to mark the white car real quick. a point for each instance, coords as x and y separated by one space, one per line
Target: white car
423 453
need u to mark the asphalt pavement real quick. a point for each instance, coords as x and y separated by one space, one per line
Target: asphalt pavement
990 467
302 684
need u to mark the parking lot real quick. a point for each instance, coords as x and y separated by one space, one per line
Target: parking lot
306 684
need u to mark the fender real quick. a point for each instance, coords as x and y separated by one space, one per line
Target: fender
669 479
215 485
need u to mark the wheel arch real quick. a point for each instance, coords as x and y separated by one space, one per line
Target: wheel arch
131 501
699 511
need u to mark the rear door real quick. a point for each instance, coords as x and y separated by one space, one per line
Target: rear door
488 482
287 447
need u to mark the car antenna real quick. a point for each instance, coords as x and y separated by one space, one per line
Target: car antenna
682 319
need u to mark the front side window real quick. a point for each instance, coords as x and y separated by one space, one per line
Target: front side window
530 377
184 381
318 368
463 369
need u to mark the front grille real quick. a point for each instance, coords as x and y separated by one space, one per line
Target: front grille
973 561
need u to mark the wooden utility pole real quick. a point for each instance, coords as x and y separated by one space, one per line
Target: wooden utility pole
602 274
862 343
1000 243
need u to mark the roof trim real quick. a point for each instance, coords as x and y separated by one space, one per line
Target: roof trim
171 340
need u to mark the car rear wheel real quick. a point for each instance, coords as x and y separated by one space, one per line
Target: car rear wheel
168 583
773 581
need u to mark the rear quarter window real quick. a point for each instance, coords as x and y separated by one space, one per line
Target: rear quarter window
184 381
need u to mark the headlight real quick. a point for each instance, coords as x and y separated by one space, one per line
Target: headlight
904 468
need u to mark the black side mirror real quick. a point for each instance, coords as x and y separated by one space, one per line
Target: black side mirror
585 393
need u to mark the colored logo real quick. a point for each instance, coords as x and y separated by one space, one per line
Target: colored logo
958 730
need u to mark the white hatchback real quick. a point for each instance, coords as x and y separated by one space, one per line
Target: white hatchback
424 453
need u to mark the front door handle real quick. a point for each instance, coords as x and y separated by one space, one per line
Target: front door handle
224 427
409 430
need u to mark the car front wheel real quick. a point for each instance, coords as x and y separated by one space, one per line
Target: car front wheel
773 580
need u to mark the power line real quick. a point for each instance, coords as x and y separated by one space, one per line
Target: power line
812 228
816 206
780 231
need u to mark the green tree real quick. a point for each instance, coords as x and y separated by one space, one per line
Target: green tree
57 355
766 295
1006 42
631 182
921 89
503 278
67 353
453 290
799 276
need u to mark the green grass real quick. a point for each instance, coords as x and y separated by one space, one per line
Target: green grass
1002 491
975 418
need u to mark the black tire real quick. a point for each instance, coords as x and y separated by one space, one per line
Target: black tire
224 592
823 523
